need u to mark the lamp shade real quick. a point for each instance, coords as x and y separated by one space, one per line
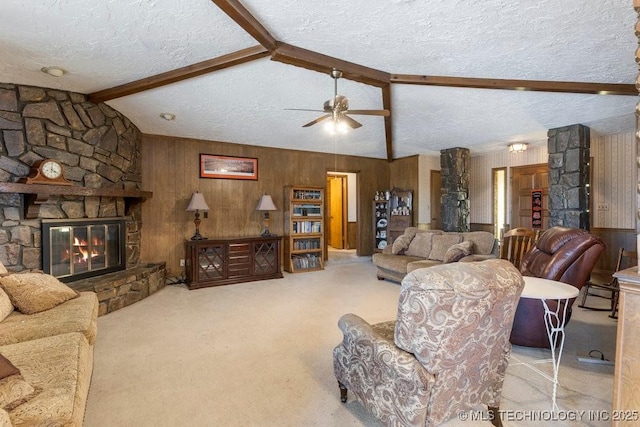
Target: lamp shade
197 203
266 204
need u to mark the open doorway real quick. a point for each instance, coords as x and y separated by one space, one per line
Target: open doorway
341 216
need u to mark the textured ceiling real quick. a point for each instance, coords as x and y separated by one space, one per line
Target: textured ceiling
111 42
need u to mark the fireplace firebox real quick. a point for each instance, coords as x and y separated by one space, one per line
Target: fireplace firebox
75 249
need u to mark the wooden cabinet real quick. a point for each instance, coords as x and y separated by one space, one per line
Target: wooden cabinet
392 214
303 229
225 261
626 399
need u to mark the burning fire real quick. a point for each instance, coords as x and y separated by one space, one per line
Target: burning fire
77 242
85 253
81 244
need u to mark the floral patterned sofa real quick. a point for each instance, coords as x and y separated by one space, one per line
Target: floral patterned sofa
47 332
425 248
446 352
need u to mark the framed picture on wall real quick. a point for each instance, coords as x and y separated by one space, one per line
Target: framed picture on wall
228 167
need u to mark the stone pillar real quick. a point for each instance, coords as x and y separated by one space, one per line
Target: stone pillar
569 153
454 172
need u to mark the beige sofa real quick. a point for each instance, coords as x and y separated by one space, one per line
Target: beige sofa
425 248
53 350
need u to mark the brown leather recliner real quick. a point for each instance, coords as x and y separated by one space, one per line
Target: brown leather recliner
564 254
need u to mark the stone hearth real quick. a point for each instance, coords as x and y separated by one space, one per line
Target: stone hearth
122 288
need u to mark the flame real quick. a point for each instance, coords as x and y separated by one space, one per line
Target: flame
84 254
77 242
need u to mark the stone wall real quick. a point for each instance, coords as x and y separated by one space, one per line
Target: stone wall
98 147
569 172
454 173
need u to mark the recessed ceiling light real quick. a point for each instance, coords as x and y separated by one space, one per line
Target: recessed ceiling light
54 71
168 116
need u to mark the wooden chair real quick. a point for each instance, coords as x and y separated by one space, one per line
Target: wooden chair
609 290
515 243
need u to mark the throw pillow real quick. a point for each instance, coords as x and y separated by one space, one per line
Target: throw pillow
441 243
14 390
5 305
420 245
458 251
401 244
35 292
5 421
6 368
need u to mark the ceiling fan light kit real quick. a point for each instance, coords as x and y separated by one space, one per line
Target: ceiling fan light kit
337 108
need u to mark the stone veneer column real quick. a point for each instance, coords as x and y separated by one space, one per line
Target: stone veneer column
454 172
569 152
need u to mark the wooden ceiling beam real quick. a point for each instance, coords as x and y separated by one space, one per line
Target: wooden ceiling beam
236 11
293 55
388 128
531 85
173 76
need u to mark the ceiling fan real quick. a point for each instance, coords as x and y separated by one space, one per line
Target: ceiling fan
338 107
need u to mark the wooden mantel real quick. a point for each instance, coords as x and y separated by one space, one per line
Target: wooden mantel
37 194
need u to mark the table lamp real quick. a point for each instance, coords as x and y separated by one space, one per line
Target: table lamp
197 204
266 204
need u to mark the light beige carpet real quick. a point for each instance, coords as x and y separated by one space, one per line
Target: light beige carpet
260 354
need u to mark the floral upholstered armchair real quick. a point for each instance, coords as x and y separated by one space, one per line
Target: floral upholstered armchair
447 352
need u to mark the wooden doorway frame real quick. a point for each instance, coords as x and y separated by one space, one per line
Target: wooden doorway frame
359 210
344 205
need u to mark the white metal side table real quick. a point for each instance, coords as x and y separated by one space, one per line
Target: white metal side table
545 289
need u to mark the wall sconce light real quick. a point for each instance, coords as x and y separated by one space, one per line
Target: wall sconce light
197 204
518 147
266 204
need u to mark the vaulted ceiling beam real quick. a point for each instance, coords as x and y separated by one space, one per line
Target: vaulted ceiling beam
173 76
293 55
532 85
388 128
236 11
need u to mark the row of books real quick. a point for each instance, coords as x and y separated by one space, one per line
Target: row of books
300 245
306 227
307 210
306 194
306 262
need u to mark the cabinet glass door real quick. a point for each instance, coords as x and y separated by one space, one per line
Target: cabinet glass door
265 258
210 262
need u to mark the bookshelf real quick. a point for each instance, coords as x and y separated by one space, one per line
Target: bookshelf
303 229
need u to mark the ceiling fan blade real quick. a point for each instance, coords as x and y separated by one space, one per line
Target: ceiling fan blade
303 109
349 121
384 113
319 119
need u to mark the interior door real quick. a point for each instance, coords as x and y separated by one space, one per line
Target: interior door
523 180
336 192
436 194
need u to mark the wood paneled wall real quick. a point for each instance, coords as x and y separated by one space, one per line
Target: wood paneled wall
170 170
614 179
403 174
614 239
426 164
480 178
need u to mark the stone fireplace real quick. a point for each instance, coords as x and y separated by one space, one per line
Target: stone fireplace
79 248
99 149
